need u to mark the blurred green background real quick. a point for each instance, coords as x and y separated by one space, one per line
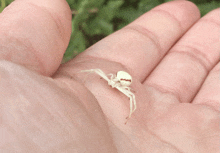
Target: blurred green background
95 19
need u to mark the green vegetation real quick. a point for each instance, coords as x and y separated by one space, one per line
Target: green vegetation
95 19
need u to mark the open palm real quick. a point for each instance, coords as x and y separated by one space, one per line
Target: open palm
171 54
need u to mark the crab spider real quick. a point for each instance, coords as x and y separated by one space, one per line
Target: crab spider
121 81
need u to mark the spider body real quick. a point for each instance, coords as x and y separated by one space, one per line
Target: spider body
121 81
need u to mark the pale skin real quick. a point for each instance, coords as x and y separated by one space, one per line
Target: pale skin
172 55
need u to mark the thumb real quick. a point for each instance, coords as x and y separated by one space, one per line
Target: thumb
35 33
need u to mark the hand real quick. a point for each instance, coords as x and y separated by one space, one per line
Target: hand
172 55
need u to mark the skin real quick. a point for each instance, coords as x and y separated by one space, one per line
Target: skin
171 53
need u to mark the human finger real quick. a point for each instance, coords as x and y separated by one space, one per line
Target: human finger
35 33
209 93
141 45
183 70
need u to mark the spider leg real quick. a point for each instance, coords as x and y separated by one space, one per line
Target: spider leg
102 74
132 103
110 81
90 71
131 96
111 76
99 72
114 82
131 106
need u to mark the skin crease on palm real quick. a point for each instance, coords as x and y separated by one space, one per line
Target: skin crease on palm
171 53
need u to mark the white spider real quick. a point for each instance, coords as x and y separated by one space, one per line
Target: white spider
121 81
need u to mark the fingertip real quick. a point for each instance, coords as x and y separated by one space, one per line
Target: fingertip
35 34
186 12
213 15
